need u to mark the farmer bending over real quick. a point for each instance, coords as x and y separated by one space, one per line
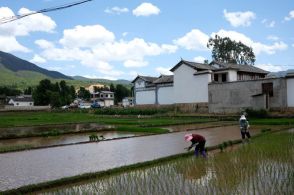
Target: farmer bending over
198 141
244 126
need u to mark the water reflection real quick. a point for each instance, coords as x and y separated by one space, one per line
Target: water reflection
35 166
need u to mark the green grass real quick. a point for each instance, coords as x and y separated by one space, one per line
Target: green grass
271 121
43 118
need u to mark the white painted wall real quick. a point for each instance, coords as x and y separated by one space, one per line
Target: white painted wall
145 97
108 103
21 103
165 95
290 92
232 75
140 83
189 88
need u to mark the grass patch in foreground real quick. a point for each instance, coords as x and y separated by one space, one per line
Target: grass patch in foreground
265 166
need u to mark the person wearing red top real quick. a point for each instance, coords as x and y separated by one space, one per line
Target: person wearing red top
198 141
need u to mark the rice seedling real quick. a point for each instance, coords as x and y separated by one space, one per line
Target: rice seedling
265 166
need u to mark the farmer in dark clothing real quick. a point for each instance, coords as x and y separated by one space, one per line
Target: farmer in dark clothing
198 141
244 126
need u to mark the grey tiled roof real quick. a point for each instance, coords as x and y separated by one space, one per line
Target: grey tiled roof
22 99
195 65
145 78
238 67
164 79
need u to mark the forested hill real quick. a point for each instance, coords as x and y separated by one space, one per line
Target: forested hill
16 64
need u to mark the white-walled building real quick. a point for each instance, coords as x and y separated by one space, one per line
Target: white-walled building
104 98
189 84
24 101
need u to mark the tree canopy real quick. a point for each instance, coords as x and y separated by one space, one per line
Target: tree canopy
56 95
228 51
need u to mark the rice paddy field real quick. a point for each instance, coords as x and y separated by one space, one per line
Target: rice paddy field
263 166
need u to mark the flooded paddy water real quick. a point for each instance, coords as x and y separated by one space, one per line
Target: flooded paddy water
265 166
36 166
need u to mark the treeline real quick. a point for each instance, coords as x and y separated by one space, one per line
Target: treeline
55 94
60 94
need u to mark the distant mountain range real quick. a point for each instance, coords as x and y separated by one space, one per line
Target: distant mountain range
20 73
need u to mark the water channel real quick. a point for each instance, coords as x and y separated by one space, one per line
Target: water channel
36 166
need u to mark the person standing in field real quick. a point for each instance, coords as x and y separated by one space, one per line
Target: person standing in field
198 141
244 128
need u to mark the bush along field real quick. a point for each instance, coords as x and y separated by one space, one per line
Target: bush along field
264 166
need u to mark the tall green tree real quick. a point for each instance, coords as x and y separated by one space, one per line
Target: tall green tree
56 95
84 94
228 51
120 92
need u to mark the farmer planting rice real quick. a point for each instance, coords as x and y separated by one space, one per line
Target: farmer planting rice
198 141
244 126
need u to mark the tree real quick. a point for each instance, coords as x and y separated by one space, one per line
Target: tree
121 92
56 95
228 51
84 94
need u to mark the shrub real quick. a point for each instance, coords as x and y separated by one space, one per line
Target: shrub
262 113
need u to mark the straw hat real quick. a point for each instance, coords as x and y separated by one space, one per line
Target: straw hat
243 117
188 137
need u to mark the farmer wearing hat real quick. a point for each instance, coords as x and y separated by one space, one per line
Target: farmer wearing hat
198 141
244 126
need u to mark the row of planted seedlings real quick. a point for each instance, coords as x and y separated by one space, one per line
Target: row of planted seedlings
264 166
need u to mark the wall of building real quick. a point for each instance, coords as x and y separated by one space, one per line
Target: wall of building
165 95
232 75
140 83
236 96
145 97
190 88
290 92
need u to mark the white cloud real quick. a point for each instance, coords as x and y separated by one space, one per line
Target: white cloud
272 37
269 67
10 44
239 18
86 36
99 50
164 71
193 40
125 34
135 63
257 46
22 27
116 10
146 9
290 16
38 59
293 45
44 44
199 59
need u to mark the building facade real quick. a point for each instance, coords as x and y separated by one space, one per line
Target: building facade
222 87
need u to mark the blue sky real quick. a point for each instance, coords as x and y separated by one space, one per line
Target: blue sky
119 39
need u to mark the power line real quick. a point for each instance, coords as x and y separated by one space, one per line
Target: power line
17 17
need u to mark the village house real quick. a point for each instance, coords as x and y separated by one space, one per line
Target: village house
103 98
23 100
214 87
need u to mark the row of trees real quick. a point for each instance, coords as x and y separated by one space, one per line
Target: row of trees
55 94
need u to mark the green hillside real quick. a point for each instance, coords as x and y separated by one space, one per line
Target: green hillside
23 79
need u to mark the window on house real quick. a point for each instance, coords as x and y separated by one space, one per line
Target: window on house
267 88
31 104
224 77
17 104
215 77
